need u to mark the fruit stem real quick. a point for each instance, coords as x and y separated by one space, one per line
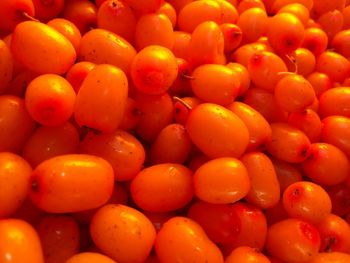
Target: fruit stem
177 99
29 17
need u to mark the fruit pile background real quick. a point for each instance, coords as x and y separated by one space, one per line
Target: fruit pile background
178 131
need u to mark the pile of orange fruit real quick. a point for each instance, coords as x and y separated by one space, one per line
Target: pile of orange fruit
178 131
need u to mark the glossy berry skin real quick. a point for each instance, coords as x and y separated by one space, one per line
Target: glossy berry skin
16 125
288 143
121 149
245 254
50 100
59 236
219 221
85 181
325 160
226 135
6 66
154 69
86 257
265 189
307 201
55 53
101 46
118 229
20 242
230 183
183 240
102 111
13 12
151 187
15 179
335 234
258 127
335 131
293 240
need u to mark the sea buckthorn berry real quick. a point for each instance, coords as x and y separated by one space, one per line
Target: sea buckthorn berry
206 45
297 9
335 234
71 183
121 149
87 257
83 13
6 66
168 10
154 29
320 82
41 48
259 129
336 66
340 43
14 12
154 69
264 68
19 242
68 29
253 23
245 254
156 112
315 40
285 32
59 236
47 142
181 43
307 201
215 83
145 6
16 125
307 121
326 164
265 189
102 111
226 134
151 186
335 131
253 227
293 240
325 257
50 100
172 145
118 229
101 46
323 6
197 12
331 22
230 183
335 101
14 177
46 10
219 221
78 72
287 173
293 93
288 143
242 74
278 4
243 53
117 17
182 239
232 36
264 102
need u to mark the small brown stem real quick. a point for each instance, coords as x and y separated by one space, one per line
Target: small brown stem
26 16
293 61
177 99
185 76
